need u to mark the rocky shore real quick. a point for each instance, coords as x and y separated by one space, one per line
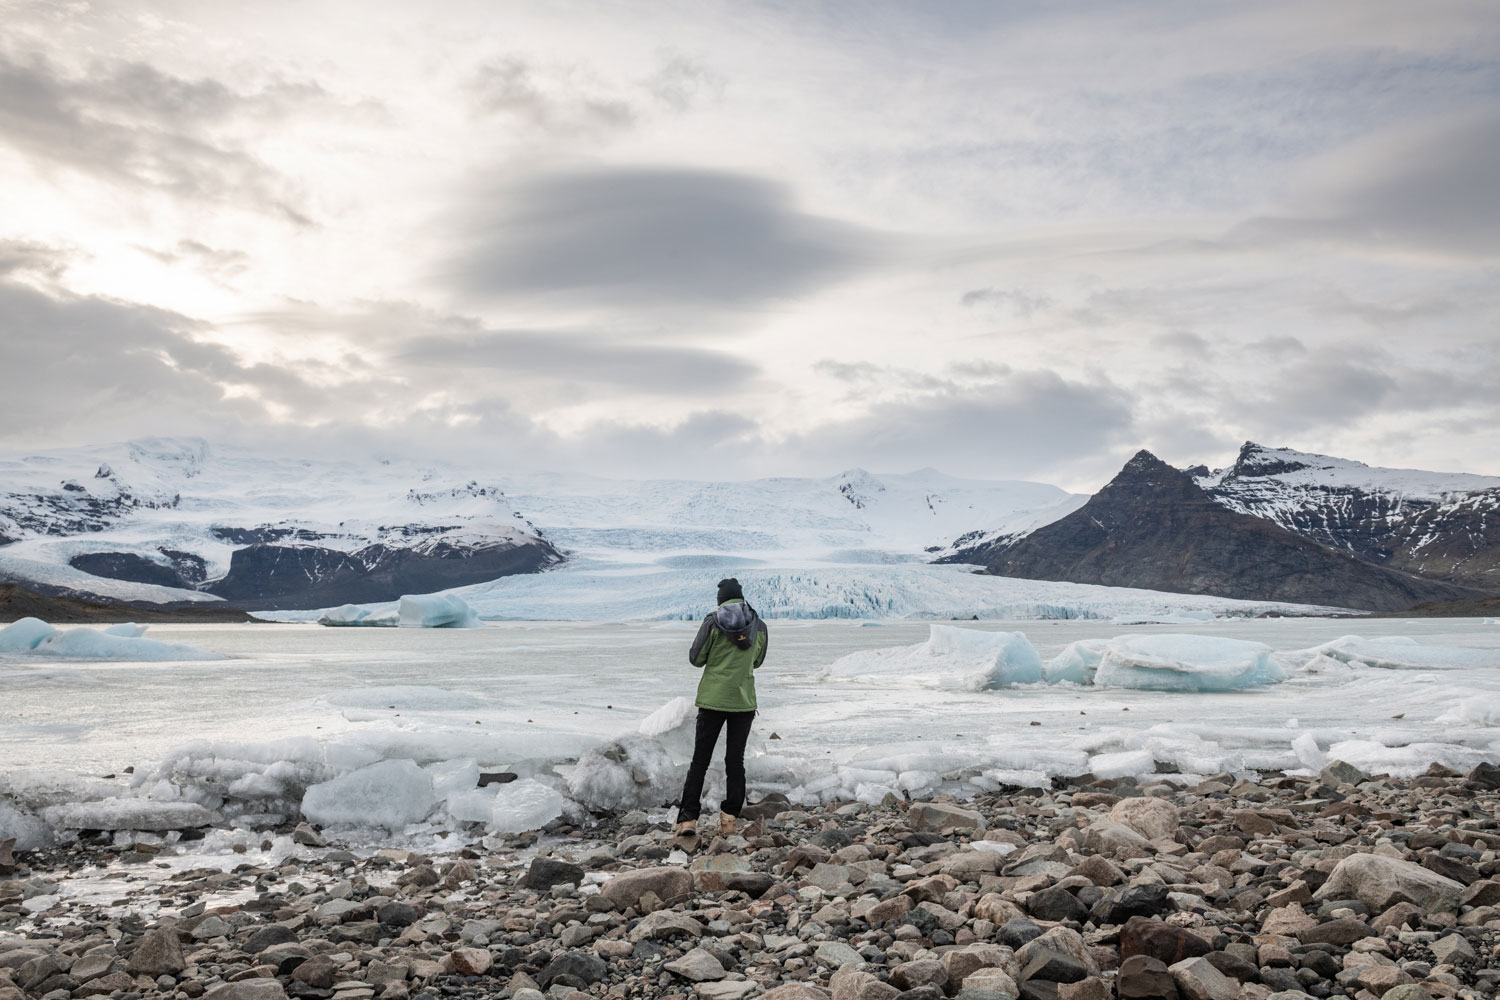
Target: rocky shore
1282 887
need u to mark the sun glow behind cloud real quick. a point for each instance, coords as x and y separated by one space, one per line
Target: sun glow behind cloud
1009 243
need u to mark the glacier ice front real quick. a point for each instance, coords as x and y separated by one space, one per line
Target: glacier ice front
962 658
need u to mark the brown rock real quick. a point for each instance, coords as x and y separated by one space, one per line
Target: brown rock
319 972
910 975
851 984
1400 915
669 884
1142 977
1098 870
158 954
1197 979
1345 930
250 989
940 816
105 985
1162 941
471 961
963 962
1084 989
888 910
1152 818
795 991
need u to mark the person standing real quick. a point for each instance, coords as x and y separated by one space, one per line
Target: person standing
730 646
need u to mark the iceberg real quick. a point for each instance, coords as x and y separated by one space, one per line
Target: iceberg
34 636
962 658
1186 663
359 616
437 611
129 630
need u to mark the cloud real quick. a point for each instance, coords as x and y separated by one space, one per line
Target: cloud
560 101
576 357
71 364
1020 302
211 260
1424 186
683 83
648 237
1017 423
131 124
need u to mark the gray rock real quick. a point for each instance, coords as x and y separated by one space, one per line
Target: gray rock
544 873
583 966
158 953
250 989
697 965
266 937
1340 773
1453 949
1381 882
835 954
1197 979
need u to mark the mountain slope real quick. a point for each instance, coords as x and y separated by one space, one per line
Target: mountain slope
1153 527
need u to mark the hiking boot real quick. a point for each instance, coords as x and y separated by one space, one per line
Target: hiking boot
686 838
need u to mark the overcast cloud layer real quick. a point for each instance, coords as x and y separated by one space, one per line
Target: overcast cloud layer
732 240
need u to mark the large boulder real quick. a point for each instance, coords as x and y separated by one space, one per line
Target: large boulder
1381 882
158 954
1154 819
942 816
669 884
1059 956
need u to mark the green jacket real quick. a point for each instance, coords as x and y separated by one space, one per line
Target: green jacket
728 682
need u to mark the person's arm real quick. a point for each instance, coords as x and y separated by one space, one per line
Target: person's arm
698 653
765 642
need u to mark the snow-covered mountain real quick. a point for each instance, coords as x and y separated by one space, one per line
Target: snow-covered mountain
1341 503
177 519
1442 525
166 520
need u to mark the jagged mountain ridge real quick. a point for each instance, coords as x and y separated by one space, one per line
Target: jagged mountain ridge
1444 526
1154 527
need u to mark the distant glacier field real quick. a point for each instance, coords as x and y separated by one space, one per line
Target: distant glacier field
295 705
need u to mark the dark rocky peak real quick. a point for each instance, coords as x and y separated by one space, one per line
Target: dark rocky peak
1146 477
1257 460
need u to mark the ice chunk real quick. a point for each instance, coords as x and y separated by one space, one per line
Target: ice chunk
1126 763
1407 760
1480 710
1306 748
404 697
1403 653
34 636
359 615
28 830
1076 663
129 630
437 611
959 658
129 814
525 805
388 794
631 772
674 713
1186 663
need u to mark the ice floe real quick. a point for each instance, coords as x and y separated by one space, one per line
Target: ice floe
1186 663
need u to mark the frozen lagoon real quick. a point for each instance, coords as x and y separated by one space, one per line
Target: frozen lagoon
525 695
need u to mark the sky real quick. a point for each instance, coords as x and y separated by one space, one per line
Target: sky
731 240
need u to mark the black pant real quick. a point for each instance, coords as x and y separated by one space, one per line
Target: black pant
710 721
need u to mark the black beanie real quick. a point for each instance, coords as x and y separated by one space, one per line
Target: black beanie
729 589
